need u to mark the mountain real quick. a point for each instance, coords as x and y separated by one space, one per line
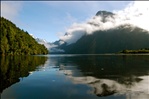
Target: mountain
112 40
42 41
15 41
104 15
52 47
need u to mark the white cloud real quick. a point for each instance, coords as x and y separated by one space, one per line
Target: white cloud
136 14
10 9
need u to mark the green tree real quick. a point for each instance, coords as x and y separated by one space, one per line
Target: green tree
15 41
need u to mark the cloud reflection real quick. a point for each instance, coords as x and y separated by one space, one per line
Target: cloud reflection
138 89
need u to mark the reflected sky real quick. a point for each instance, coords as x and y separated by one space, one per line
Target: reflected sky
85 77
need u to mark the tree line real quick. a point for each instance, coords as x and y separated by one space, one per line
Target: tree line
15 41
144 50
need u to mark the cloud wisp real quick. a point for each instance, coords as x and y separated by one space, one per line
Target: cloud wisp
135 14
10 9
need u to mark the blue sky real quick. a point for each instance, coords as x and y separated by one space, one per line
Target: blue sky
50 19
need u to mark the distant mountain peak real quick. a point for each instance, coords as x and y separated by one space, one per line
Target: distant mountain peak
104 13
39 39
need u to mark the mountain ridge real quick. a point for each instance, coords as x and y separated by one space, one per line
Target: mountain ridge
110 41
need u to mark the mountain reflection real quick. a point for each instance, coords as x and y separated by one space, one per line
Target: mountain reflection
14 67
108 75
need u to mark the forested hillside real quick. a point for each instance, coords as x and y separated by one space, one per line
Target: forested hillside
15 41
110 41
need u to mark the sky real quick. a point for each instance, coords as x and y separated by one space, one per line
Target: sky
50 20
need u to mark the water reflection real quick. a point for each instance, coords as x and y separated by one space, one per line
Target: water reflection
77 77
105 87
12 68
108 75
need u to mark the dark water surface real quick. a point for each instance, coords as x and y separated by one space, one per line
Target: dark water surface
75 77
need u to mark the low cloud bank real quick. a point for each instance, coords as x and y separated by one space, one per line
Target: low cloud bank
135 14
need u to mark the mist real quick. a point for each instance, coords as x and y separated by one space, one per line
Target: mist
135 14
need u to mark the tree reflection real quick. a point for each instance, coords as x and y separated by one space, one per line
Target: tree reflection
14 67
116 67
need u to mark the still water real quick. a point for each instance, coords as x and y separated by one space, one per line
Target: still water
75 77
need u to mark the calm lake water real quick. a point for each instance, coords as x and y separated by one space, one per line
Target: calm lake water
75 77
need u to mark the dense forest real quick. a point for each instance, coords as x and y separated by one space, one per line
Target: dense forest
15 41
145 50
